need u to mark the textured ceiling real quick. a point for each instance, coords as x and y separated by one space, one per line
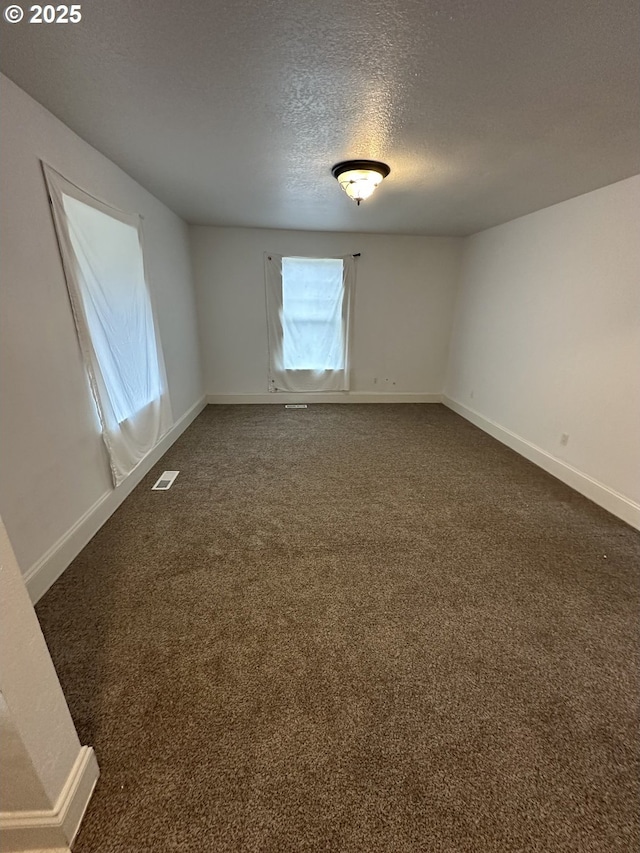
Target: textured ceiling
233 113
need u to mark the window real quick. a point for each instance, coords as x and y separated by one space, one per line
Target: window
312 313
116 306
308 302
104 269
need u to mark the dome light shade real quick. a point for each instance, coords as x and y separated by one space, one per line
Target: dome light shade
359 178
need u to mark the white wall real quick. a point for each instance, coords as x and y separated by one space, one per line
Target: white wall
546 338
46 776
404 299
20 787
54 467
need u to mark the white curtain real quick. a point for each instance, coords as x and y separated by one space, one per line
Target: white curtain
308 319
101 250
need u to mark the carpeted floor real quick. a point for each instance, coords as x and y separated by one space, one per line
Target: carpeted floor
354 629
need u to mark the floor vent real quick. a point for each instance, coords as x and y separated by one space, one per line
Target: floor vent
295 405
166 481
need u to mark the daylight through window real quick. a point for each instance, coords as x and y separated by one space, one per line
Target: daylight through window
116 306
312 314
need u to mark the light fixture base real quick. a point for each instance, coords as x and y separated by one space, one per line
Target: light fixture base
365 165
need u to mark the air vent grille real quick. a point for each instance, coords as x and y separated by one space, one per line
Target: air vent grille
166 481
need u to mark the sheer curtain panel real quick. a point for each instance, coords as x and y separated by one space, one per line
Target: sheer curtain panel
308 318
101 250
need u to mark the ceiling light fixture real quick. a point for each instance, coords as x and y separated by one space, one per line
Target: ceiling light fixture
359 178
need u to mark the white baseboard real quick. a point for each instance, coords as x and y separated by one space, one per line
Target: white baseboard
282 397
607 498
56 828
43 573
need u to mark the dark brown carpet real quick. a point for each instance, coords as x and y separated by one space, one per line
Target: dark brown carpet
354 629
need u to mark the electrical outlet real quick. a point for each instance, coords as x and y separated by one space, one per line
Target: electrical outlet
564 439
